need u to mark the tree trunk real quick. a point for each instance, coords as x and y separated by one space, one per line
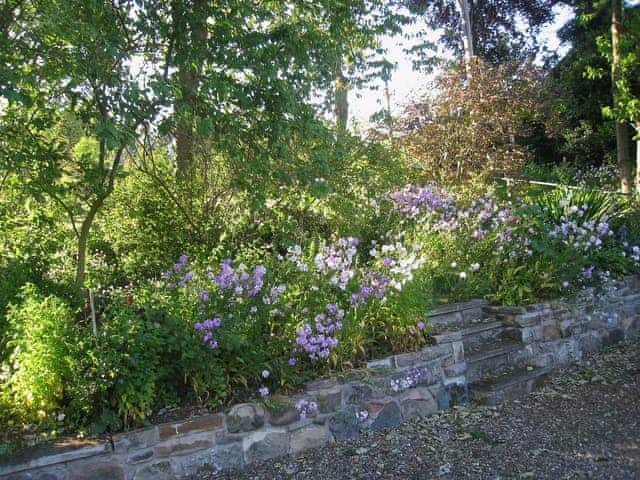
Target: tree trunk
190 30
341 108
637 139
85 229
622 133
467 32
387 96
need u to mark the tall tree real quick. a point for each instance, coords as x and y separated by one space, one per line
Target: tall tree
495 31
621 48
356 28
622 130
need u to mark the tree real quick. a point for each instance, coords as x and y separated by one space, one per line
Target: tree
73 57
620 48
356 28
625 90
579 133
495 31
473 125
232 82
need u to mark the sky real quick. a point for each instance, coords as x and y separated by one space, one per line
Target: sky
407 82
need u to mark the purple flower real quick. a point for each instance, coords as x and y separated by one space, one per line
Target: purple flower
264 392
420 326
213 345
188 276
265 373
183 259
291 362
204 295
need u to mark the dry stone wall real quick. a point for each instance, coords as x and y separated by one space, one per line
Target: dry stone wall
388 391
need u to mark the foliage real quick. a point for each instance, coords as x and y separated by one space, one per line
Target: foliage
39 351
472 127
498 36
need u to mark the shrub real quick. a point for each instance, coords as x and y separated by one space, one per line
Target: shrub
473 126
40 348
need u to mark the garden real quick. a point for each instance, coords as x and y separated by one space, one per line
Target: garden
208 238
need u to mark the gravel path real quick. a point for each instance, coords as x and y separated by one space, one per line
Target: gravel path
585 423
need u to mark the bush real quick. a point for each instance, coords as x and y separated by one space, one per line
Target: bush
39 352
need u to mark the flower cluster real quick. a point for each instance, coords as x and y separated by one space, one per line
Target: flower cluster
318 341
239 281
362 415
374 284
177 269
294 255
411 379
633 252
306 408
400 262
604 176
337 261
428 204
583 236
208 327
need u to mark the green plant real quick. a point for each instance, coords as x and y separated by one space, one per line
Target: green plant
40 347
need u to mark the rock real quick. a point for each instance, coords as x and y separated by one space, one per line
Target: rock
143 438
344 425
284 414
444 469
245 417
355 394
329 399
389 416
157 471
262 445
417 402
140 457
111 470
312 436
615 335
185 445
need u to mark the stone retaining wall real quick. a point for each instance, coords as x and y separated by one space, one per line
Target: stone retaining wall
380 396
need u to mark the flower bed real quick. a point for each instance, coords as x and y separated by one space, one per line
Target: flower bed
265 320
381 395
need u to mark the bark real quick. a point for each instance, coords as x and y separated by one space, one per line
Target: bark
341 108
637 138
87 222
190 29
467 32
622 132
387 95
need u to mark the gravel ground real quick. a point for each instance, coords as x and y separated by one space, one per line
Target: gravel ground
585 423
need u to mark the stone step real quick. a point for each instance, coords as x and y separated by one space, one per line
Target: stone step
455 315
511 384
475 334
491 358
490 331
